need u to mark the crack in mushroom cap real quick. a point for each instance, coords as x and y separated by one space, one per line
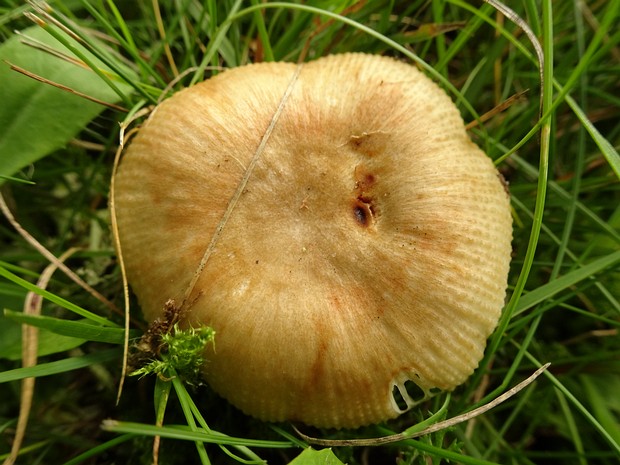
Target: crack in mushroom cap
370 246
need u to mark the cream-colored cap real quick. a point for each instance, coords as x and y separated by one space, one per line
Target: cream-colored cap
369 247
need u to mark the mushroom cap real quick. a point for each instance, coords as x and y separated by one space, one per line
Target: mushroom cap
369 247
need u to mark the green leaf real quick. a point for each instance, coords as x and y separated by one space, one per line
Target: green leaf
37 118
316 457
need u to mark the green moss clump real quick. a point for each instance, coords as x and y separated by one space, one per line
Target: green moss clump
180 352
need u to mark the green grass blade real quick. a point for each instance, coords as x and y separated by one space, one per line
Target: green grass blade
125 40
60 366
214 44
64 40
437 451
99 449
600 408
185 401
572 427
77 329
566 196
56 299
541 190
580 407
185 434
564 282
608 151
345 20
262 32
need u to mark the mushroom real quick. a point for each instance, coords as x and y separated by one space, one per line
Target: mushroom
361 245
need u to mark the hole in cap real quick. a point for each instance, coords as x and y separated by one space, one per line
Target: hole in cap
400 402
363 210
360 215
415 392
406 394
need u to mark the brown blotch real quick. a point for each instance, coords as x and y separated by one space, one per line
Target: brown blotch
364 178
369 143
363 205
317 370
